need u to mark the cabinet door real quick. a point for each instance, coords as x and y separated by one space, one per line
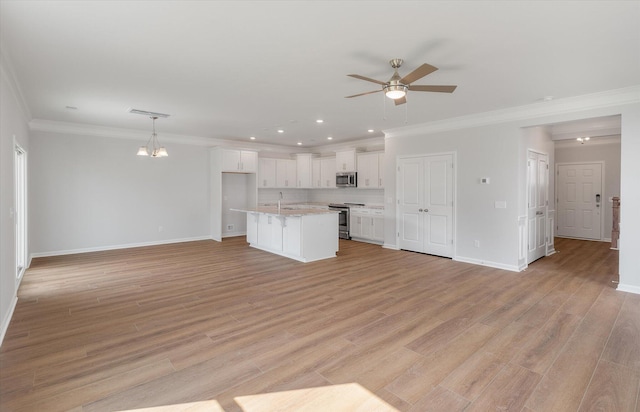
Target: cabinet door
368 171
328 172
252 228
346 161
367 227
303 170
291 236
316 173
230 160
378 228
248 161
355 223
285 173
267 173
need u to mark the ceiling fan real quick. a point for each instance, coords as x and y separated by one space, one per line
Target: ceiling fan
396 88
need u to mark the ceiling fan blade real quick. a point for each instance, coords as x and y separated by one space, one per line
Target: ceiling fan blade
418 73
400 101
357 76
362 94
438 89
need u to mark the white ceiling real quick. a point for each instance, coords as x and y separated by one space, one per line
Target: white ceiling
230 70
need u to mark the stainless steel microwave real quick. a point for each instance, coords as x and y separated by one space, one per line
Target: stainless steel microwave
347 179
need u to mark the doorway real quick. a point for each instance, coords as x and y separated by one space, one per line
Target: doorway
20 209
425 204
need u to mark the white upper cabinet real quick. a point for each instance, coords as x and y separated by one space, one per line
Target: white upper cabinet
346 161
267 172
285 173
370 170
324 172
316 175
304 170
328 172
239 161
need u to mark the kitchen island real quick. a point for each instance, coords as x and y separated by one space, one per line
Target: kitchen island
305 235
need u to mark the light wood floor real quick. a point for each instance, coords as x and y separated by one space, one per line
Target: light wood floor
227 327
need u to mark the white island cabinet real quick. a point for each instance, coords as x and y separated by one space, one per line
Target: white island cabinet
305 235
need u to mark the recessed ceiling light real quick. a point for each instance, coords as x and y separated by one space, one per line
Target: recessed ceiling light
280 131
299 143
370 130
252 138
71 107
329 138
319 121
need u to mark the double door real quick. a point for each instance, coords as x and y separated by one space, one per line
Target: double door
425 204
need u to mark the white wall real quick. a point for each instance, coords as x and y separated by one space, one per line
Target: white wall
630 200
92 193
608 151
494 145
13 125
489 151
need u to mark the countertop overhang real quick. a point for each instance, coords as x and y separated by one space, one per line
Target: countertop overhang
286 211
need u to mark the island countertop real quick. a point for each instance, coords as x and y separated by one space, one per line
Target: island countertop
285 211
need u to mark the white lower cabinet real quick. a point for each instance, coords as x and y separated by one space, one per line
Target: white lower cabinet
367 224
306 237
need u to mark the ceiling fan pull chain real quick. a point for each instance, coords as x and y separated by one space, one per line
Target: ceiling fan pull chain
406 112
384 110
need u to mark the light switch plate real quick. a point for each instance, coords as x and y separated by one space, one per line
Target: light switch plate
501 204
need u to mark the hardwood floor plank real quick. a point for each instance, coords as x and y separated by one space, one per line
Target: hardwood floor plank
613 388
440 399
623 346
421 377
541 351
474 375
563 386
508 391
214 321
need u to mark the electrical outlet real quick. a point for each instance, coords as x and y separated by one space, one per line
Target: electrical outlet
229 227
476 243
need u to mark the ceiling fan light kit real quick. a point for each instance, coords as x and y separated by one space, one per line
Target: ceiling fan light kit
397 87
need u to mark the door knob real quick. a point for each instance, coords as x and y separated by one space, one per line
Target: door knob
426 210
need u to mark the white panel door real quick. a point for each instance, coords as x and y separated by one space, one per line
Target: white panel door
438 205
410 197
580 200
537 195
426 205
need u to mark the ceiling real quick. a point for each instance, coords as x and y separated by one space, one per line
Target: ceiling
231 70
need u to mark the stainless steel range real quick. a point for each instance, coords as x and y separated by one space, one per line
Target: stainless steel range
343 217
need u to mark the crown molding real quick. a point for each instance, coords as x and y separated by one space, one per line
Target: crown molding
83 129
609 98
7 72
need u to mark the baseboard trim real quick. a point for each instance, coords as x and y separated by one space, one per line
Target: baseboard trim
7 320
628 288
392 247
496 265
115 247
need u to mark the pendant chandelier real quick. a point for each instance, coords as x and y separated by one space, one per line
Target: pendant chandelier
153 147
